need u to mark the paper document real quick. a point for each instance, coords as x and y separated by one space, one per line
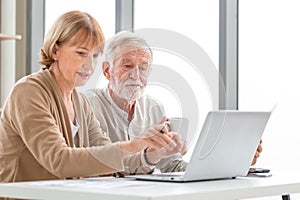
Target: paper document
92 183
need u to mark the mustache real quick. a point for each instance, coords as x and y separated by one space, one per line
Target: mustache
133 83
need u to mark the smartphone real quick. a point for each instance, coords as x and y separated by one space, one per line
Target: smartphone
258 170
259 174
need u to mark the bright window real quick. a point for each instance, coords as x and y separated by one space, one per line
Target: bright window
188 33
269 75
102 10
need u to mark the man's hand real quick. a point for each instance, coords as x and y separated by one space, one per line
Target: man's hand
257 153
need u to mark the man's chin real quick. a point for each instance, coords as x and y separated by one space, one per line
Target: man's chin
132 98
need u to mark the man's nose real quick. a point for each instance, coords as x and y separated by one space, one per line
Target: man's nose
134 73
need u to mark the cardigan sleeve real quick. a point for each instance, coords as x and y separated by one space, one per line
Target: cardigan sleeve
132 161
37 119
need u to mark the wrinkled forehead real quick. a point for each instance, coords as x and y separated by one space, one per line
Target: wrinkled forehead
133 54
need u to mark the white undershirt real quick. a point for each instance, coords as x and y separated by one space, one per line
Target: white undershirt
74 128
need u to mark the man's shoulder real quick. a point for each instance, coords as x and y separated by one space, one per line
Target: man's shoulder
98 98
147 102
95 93
147 99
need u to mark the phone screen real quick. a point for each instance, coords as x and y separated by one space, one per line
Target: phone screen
258 170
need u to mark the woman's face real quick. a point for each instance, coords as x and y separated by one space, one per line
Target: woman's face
76 61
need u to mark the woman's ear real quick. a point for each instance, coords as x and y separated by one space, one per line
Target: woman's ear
55 52
106 69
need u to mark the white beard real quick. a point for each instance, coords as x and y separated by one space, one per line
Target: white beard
129 90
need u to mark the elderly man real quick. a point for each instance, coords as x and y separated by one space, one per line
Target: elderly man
122 110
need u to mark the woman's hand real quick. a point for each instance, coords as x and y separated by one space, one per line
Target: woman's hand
159 142
156 137
154 155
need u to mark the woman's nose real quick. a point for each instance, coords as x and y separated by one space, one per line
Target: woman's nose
90 62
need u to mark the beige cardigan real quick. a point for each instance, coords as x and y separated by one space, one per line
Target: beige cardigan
36 140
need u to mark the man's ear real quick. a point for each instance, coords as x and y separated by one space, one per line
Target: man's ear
106 69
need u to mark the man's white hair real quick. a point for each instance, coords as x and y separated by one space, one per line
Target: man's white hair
124 42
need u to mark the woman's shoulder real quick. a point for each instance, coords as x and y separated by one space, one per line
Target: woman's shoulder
31 89
27 83
35 79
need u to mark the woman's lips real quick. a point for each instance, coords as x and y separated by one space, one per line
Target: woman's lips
83 75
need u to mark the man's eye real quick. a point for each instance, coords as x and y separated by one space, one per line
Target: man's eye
143 68
96 55
127 66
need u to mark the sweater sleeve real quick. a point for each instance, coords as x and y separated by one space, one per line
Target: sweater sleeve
38 122
132 162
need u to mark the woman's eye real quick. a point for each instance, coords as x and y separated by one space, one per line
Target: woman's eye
81 53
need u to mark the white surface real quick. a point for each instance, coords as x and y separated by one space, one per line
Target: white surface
278 184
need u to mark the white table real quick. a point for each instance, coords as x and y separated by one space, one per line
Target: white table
119 188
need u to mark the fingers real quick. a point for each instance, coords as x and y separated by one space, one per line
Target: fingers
256 155
259 148
157 138
166 127
184 149
166 122
180 144
163 120
167 143
253 161
255 158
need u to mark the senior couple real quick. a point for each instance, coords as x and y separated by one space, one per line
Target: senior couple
48 130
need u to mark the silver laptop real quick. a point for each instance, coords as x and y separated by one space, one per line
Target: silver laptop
225 147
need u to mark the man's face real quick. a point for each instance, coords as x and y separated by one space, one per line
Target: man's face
129 74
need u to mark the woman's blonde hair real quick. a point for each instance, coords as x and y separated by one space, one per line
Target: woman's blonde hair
65 27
